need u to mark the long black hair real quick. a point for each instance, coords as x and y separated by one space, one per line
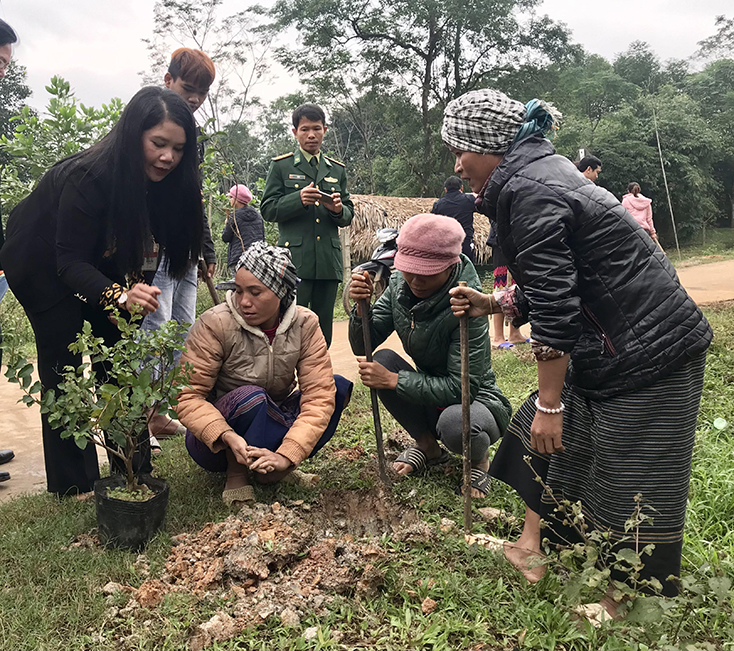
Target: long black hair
170 209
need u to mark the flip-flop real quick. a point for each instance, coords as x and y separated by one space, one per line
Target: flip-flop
242 494
418 461
479 480
505 345
300 478
521 343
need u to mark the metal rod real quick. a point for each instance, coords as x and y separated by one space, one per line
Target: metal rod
465 415
381 464
665 181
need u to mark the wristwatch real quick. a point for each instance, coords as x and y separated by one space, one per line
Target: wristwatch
122 301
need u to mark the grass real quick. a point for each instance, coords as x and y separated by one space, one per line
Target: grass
713 245
50 594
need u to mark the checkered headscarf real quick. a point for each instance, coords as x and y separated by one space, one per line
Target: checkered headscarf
272 266
482 121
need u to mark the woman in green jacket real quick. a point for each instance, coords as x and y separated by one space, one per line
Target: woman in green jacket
426 400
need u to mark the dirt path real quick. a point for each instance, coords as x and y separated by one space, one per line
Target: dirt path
21 426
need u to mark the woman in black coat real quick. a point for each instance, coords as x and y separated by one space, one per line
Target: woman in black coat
90 236
613 333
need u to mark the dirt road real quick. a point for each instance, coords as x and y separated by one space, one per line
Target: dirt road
21 426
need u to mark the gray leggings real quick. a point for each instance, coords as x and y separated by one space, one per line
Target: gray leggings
446 425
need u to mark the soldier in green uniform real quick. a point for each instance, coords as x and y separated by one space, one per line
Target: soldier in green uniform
306 194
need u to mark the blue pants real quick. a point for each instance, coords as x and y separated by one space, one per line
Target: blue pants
177 300
263 424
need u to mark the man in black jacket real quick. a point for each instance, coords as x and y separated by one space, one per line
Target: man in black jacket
460 206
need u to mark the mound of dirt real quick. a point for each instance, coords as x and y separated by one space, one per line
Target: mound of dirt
282 561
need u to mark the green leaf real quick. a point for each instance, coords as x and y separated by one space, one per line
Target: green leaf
628 555
720 586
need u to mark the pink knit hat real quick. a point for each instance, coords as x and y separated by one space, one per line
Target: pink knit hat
240 193
429 244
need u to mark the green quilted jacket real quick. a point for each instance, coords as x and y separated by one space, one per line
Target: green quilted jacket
430 335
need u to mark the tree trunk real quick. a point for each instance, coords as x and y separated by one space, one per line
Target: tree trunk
433 39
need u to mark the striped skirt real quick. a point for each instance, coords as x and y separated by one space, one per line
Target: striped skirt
638 442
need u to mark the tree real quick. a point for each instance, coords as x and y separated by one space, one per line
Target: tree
713 88
13 93
640 66
433 50
240 58
38 142
721 44
593 90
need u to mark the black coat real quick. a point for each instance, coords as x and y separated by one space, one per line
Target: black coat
594 283
251 229
56 240
461 207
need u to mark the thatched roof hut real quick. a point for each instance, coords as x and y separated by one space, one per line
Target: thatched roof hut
372 212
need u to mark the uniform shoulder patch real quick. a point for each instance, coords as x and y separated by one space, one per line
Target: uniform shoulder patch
334 160
282 156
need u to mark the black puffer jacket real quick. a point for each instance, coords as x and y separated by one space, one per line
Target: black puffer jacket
594 283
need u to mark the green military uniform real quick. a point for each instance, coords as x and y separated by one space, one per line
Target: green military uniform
311 233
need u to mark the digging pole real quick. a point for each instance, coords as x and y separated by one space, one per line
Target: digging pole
364 307
465 416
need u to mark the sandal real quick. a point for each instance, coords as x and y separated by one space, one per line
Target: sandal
505 345
242 494
479 480
300 478
418 461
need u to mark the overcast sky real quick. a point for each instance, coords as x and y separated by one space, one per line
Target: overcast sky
96 44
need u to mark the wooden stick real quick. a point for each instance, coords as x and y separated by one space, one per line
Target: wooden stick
381 464
465 415
209 283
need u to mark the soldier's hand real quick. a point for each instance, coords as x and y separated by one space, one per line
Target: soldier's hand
360 288
310 195
336 203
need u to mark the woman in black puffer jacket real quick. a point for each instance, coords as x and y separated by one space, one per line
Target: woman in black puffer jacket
620 345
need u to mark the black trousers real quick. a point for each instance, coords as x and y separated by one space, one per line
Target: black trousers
69 469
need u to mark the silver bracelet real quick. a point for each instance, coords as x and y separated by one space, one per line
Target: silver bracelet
546 410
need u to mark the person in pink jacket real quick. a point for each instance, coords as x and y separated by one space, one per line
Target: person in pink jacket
640 207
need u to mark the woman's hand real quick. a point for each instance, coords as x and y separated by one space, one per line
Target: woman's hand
376 376
546 433
264 461
142 298
360 289
238 445
465 300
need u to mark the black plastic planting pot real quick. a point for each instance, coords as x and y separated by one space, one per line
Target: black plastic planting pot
129 525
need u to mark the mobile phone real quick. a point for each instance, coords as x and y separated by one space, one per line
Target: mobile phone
327 198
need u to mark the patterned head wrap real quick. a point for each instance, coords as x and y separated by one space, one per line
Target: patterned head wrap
486 121
272 266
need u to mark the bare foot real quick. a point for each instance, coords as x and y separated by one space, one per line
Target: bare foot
528 561
162 426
